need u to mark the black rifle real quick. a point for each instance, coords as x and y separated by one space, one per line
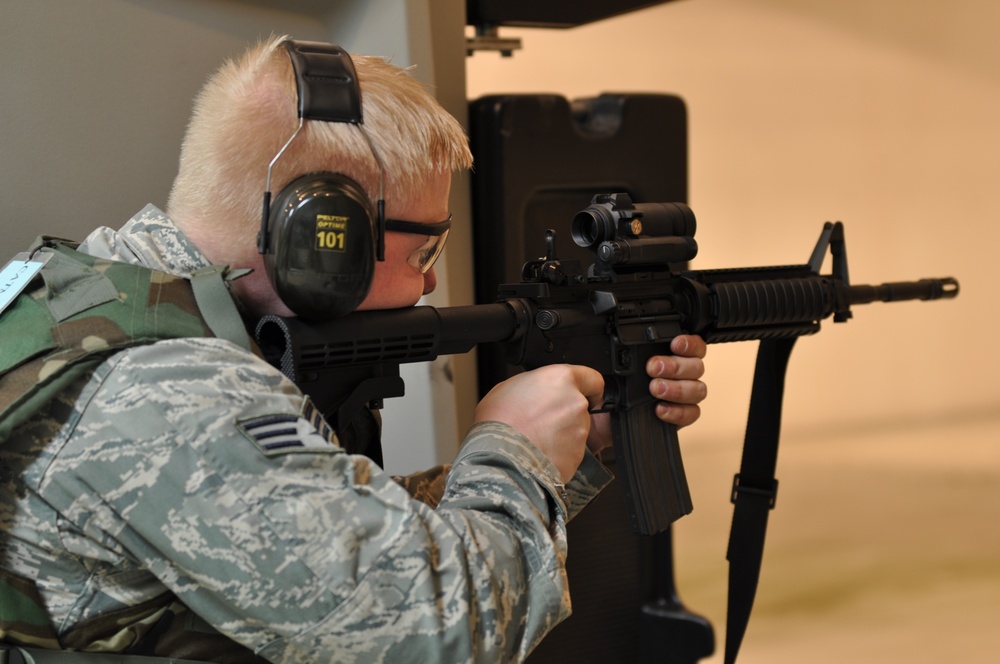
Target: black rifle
626 308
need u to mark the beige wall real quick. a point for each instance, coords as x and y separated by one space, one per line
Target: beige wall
883 114
802 112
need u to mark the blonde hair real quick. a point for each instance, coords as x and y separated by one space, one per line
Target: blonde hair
248 109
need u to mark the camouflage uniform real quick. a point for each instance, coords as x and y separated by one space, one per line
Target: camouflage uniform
190 474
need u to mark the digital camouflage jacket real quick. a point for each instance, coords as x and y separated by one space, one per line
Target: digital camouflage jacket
184 499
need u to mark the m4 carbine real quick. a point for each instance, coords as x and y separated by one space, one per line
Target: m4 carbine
626 308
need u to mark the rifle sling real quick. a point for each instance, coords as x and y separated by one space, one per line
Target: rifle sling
755 488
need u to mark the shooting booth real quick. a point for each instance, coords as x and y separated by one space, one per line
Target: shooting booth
540 159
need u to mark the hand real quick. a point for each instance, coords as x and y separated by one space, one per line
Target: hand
675 381
550 407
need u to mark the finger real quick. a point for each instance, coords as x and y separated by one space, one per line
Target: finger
689 345
600 432
681 415
673 366
678 391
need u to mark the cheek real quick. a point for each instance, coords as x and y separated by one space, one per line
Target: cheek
395 284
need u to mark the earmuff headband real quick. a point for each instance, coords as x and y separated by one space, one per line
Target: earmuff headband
326 82
328 90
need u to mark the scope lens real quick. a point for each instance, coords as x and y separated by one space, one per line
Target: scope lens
592 226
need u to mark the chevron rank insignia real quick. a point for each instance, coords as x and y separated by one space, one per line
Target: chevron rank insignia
284 433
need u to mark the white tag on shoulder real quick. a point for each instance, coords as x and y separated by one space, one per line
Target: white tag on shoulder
17 274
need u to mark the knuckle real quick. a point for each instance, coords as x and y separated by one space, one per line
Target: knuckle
690 415
658 388
670 367
561 372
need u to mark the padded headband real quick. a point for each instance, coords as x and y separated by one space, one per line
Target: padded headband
326 82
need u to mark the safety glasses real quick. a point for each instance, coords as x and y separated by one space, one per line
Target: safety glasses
422 258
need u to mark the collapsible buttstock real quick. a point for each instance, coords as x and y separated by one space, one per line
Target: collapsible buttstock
648 455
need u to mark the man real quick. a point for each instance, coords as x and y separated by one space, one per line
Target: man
147 509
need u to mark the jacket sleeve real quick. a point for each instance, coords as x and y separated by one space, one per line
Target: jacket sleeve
216 479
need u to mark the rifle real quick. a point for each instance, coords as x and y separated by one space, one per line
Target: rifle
626 308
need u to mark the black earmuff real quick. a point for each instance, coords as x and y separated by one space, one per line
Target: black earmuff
321 235
321 256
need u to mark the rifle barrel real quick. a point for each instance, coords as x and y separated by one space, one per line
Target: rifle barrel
898 291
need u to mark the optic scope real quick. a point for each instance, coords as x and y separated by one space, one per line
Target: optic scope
621 233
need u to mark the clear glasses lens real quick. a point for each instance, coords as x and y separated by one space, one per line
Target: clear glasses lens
424 256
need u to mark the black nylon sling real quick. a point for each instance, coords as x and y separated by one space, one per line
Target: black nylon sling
755 488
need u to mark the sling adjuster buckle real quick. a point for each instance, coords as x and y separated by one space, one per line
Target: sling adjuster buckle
770 493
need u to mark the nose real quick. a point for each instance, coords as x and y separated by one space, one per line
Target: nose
430 281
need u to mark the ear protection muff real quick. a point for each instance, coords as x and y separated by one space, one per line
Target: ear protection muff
321 235
321 256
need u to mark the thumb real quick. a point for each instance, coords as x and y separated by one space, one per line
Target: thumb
590 383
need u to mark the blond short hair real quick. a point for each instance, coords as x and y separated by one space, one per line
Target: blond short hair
248 109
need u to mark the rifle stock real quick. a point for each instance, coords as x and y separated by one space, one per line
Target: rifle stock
627 308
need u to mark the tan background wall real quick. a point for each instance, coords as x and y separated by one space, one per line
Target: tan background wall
799 115
884 546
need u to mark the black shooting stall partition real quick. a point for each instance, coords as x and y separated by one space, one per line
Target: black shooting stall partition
539 160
